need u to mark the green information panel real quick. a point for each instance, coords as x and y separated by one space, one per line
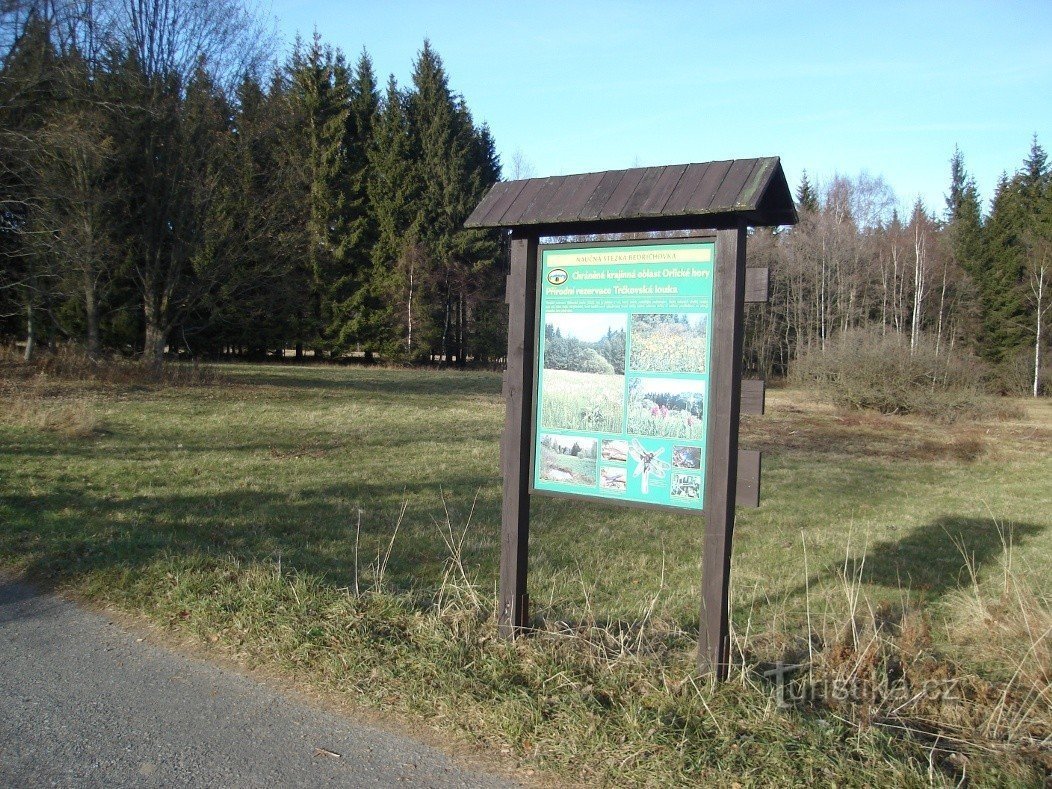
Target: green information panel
623 372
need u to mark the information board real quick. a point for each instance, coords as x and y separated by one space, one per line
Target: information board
623 360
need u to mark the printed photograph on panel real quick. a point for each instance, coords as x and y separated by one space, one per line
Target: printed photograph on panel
613 478
666 407
615 450
583 382
686 486
568 459
675 342
686 457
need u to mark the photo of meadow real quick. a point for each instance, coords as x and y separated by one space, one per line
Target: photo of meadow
583 380
669 342
686 486
568 459
666 407
613 478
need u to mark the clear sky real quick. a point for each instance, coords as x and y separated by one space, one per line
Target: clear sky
883 87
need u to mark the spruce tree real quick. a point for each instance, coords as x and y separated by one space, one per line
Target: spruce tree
389 312
457 163
964 215
1003 300
806 197
352 292
319 94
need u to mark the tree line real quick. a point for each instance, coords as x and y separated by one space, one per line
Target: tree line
166 186
971 283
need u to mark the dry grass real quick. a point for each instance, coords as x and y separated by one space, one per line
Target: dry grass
73 419
872 698
808 425
883 668
50 370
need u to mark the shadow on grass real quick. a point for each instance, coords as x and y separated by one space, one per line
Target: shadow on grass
379 382
67 534
928 562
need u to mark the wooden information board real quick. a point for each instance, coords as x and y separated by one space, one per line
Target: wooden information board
623 378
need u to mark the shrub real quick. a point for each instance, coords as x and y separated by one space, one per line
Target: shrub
865 369
1015 375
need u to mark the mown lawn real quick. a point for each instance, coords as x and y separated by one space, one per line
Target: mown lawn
312 469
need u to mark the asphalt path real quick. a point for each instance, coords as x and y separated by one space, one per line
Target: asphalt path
85 702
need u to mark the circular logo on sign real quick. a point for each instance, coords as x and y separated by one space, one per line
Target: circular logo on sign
557 276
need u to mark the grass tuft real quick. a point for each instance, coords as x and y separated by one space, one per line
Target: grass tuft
72 419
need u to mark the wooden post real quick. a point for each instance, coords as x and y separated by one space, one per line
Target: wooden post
721 462
513 613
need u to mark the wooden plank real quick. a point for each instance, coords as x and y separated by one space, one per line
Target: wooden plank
641 224
615 205
663 189
729 194
688 182
602 193
513 603
753 397
501 203
721 461
585 185
703 196
755 186
522 201
559 199
751 195
642 191
757 284
747 490
496 202
535 212
485 205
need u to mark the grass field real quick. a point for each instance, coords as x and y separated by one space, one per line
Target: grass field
556 467
582 401
254 514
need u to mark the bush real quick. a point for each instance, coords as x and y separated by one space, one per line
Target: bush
865 369
1015 376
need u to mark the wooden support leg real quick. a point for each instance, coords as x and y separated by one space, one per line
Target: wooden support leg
513 613
721 463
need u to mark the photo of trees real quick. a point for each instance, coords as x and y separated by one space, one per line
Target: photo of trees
583 383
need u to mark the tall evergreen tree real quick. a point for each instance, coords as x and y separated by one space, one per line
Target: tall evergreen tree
806 196
964 215
392 296
352 290
28 88
456 164
319 95
1003 302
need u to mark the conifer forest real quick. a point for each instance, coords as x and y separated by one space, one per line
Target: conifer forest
174 184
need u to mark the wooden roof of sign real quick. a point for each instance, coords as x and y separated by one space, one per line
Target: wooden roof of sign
680 196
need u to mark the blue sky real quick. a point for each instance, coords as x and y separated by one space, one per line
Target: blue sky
888 88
